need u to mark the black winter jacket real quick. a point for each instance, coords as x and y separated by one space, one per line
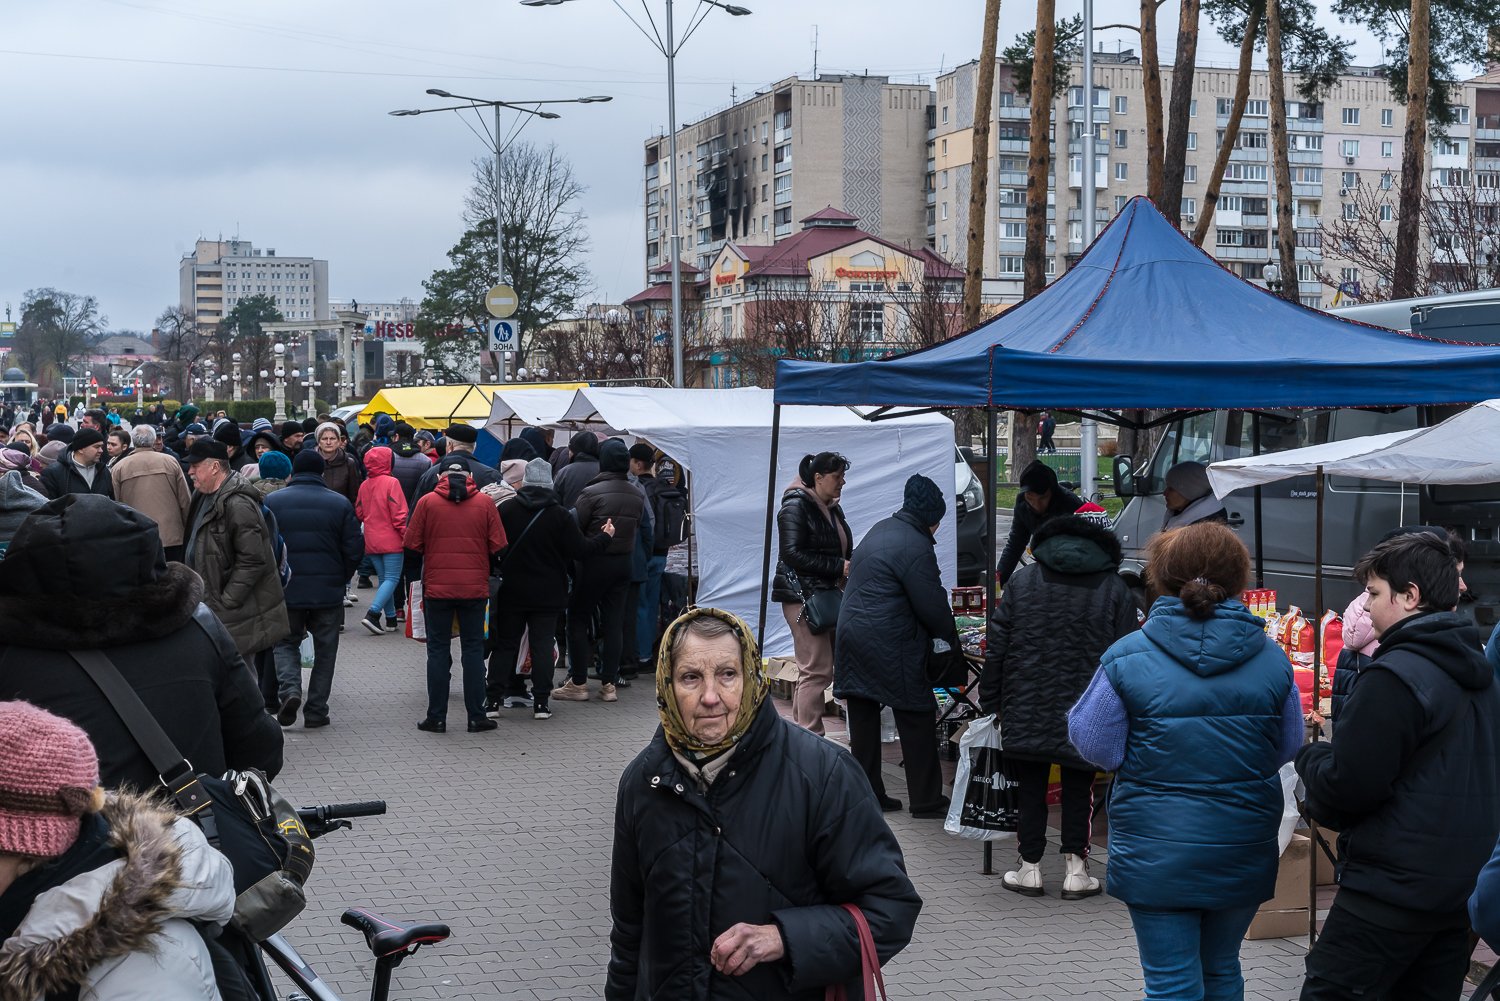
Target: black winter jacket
811 554
535 566
612 495
1023 525
61 478
483 475
1050 628
165 642
1417 804
572 478
788 832
894 606
408 466
323 541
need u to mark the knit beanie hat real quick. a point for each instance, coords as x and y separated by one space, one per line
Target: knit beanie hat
275 466
337 429
228 433
614 457
13 458
538 474
923 499
48 774
260 424
57 431
1189 479
308 461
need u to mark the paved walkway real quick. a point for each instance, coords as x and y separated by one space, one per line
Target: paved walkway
506 837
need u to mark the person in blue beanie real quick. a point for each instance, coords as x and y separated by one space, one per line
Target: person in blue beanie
1195 714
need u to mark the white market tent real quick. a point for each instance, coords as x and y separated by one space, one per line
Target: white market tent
1463 449
723 437
511 409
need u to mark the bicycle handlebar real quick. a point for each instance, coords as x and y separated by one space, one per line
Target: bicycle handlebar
322 819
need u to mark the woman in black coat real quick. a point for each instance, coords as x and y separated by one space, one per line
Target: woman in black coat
815 546
737 838
895 606
1050 628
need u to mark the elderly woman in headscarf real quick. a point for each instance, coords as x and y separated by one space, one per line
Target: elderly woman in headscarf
739 838
1189 497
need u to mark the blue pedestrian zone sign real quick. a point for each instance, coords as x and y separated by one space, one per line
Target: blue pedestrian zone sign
503 334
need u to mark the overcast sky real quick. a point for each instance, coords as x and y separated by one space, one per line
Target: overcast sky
132 127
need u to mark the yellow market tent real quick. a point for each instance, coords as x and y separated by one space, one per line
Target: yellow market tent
435 407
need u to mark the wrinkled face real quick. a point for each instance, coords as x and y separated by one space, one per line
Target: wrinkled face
207 475
328 442
89 454
708 682
1388 607
294 441
261 447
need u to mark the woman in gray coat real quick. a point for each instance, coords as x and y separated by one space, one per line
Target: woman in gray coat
894 608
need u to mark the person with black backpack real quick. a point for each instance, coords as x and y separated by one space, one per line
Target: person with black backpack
669 507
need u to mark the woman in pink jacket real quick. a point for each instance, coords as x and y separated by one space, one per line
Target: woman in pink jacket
381 507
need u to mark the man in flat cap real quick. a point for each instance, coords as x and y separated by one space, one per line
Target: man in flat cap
461 439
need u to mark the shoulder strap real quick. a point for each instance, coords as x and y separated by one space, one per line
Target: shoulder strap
512 547
175 771
871 978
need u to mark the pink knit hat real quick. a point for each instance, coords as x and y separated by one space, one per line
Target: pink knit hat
48 772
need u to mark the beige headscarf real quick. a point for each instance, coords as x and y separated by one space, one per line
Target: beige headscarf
756 685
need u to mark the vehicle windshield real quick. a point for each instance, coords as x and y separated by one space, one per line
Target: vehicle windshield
1189 439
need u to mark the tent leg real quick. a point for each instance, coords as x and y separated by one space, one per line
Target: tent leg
765 555
1260 535
1312 825
992 432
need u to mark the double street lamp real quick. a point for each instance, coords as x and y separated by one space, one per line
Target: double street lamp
527 109
669 45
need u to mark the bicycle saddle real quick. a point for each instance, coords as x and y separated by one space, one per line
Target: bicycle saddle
386 937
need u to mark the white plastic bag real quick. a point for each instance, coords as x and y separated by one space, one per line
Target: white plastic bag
984 805
305 651
1289 807
887 725
416 615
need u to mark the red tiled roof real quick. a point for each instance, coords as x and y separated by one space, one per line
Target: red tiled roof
666 269
790 256
651 293
830 214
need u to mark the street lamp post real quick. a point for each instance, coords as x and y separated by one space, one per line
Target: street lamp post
239 390
1273 278
669 46
279 387
532 108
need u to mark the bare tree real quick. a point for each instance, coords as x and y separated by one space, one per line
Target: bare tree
600 346
928 310
1414 152
1232 128
1175 156
60 326
180 345
1280 161
979 174
1151 83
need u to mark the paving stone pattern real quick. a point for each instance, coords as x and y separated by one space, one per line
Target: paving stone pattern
506 837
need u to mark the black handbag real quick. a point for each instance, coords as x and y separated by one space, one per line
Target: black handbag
240 814
821 611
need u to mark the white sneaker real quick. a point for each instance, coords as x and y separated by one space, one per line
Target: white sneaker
1027 880
1078 884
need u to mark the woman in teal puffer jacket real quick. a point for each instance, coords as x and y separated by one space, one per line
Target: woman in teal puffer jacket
1195 714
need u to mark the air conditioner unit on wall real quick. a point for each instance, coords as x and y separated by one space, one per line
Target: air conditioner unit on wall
1190 219
1349 160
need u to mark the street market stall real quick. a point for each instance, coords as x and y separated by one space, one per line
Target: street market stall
435 407
719 436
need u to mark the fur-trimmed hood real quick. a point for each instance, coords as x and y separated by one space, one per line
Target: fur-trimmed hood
111 922
1075 545
35 619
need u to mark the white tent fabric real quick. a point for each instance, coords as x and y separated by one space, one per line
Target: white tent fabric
535 407
724 438
1463 449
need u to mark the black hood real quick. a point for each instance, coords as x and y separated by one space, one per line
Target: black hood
61 547
1446 639
272 438
537 497
518 448
614 457
406 449
584 443
1075 527
537 439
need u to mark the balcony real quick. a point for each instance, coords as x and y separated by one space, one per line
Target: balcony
784 166
782 229
784 197
1015 112
1309 221
1249 221
931 197
1013 145
783 135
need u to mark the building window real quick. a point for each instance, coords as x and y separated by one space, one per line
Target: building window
943 214
1121 103
1387 150
1350 147
1190 173
1351 211
1120 203
1014 231
1190 206
1193 108
1386 214
945 147
1460 113
1122 138
1122 172
1252 140
1229 237
945 114
1387 117
1192 140
1349 179
1257 109
945 243
868 319
1011 264
1349 116
944 178
1385 181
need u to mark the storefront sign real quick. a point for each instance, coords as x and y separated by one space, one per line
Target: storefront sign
862 274
725 279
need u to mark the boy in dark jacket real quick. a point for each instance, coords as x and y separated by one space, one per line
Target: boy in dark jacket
1041 498
1411 782
1033 674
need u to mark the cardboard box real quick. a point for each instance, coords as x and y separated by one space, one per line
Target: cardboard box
1322 866
783 674
1278 924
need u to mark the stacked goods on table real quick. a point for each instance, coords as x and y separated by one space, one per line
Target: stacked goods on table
1295 634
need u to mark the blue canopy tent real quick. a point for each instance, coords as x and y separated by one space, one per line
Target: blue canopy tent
1146 320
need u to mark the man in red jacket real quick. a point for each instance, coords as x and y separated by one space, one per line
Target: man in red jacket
457 532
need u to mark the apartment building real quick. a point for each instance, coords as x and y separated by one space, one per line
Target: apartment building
1351 139
219 273
748 172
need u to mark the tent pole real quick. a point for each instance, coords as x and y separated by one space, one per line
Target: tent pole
1312 825
765 555
992 430
1260 535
